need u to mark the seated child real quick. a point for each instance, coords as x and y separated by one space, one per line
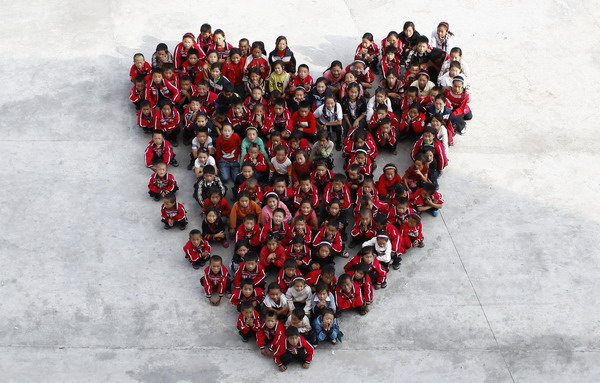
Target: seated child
298 142
301 165
146 116
280 165
299 319
423 83
337 189
412 121
216 278
304 121
242 247
196 250
279 79
325 326
272 255
242 208
387 181
301 228
299 295
249 230
307 212
325 275
306 190
270 334
168 121
376 271
385 136
203 159
334 211
330 234
348 295
161 182
363 228
258 159
253 188
427 198
361 158
276 301
380 98
138 92
285 193
213 228
322 256
217 200
277 226
416 174
159 150
322 299
289 271
459 99
360 275
173 213
250 269
355 181
247 292
274 141
383 247
329 117
252 137
204 185
248 322
321 176
322 150
281 118
414 230
140 67
399 211
293 348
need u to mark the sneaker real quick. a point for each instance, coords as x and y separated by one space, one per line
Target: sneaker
384 285
245 340
396 263
338 146
196 266
435 212
190 166
174 143
346 254
167 227
225 244
157 198
333 341
421 244
182 227
174 162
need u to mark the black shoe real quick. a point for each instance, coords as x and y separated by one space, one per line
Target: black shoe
196 266
245 339
157 198
421 244
182 227
384 285
352 244
174 162
344 236
190 166
175 143
167 227
396 263
338 146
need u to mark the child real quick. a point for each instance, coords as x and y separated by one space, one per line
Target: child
213 227
247 172
391 61
442 37
354 108
279 79
272 254
205 37
308 213
368 51
413 121
140 68
321 176
394 87
289 271
254 98
281 118
203 159
284 54
161 56
380 97
376 271
409 37
322 150
272 204
386 136
423 84
222 47
298 96
337 189
399 211
208 181
247 293
138 92
241 209
461 112
362 159
428 139
168 121
182 50
242 247
383 247
322 256
254 156
275 139
414 230
173 213
455 56
233 69
299 295
238 116
302 165
416 175
252 138
216 277
249 230
329 117
387 181
147 116
276 301
255 81
258 60
271 333
207 98
333 211
300 320
284 193
355 181
228 149
363 228
293 348
250 270
281 165
349 295
261 120
322 299
217 82
363 74
330 234
360 275
300 228
248 322
161 182
217 200
159 88
318 93
324 275
334 75
303 120
197 250
427 198
326 327
301 80
306 190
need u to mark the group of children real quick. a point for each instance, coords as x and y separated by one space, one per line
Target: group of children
261 128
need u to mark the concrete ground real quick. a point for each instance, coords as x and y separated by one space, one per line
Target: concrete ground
93 289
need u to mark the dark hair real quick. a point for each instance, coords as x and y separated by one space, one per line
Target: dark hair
456 50
216 65
158 131
297 239
391 49
328 269
289 263
234 51
251 256
333 223
273 286
321 286
216 258
304 66
246 305
291 331
368 36
171 197
209 169
408 24
248 163
205 28
219 32
429 187
194 232
279 210
341 177
322 134
401 200
261 45
380 218
344 278
420 157
246 282
240 243
336 63
298 313
145 103
423 39
250 217
162 47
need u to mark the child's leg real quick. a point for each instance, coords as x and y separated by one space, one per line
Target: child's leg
245 336
154 195
182 223
188 135
172 136
223 170
192 159
339 132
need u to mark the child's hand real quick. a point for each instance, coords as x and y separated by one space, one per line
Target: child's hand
367 308
231 231
170 222
265 352
377 286
314 266
282 368
250 321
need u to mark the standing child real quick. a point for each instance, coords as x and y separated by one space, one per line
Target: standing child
284 54
279 79
280 166
173 213
216 277
368 51
197 250
161 182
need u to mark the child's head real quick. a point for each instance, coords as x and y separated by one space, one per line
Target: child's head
161 169
392 38
455 54
139 60
205 30
168 70
145 107
361 156
300 224
367 39
272 201
249 221
247 170
367 255
212 57
281 43
289 267
354 172
227 131
413 109
297 245
297 316
365 216
336 68
300 95
303 71
186 84
327 317
278 215
244 199
402 204
258 49
253 150
440 102
330 102
256 93
215 195
235 55
251 261
350 77
209 173
321 85
442 29
215 263
169 200
305 183
358 67
212 214
323 138
339 180
270 319
327 273
413 220
280 153
382 238
254 76
202 155
390 52
390 170
324 251
276 138
299 283
353 91
246 308
332 228
428 189
140 83
158 137
219 37
385 125
278 67
272 242
300 156
292 335
381 111
360 271
274 291
215 70
242 247
380 95
195 237
380 221
429 135
420 161
345 283
166 107
162 52
321 290
334 207
422 79
458 83
278 105
321 166
304 108
422 44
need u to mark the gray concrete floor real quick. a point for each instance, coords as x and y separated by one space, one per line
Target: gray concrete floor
93 289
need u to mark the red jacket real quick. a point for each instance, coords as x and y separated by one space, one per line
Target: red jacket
252 235
370 146
176 213
136 95
279 256
381 140
366 169
365 284
230 149
284 233
284 346
365 76
250 103
408 124
396 218
208 102
417 199
460 102
358 231
148 122
261 63
167 89
374 121
440 152
264 125
303 256
195 71
381 273
385 186
284 282
145 71
335 243
257 276
261 162
244 327
387 65
282 122
314 277
234 72
286 197
313 195
257 296
353 298
165 151
274 336
242 120
180 54
343 195
210 281
165 184
168 124
308 123
307 84
223 206
194 253
372 50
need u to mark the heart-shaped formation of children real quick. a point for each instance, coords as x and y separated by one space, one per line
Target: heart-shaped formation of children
291 212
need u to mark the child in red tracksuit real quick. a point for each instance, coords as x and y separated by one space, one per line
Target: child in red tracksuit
330 234
417 173
250 269
159 87
248 322
270 334
360 276
388 180
272 255
140 67
376 270
349 295
386 135
159 150
247 293
337 189
146 116
288 272
197 250
293 348
215 278
363 228
173 213
217 200
161 182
